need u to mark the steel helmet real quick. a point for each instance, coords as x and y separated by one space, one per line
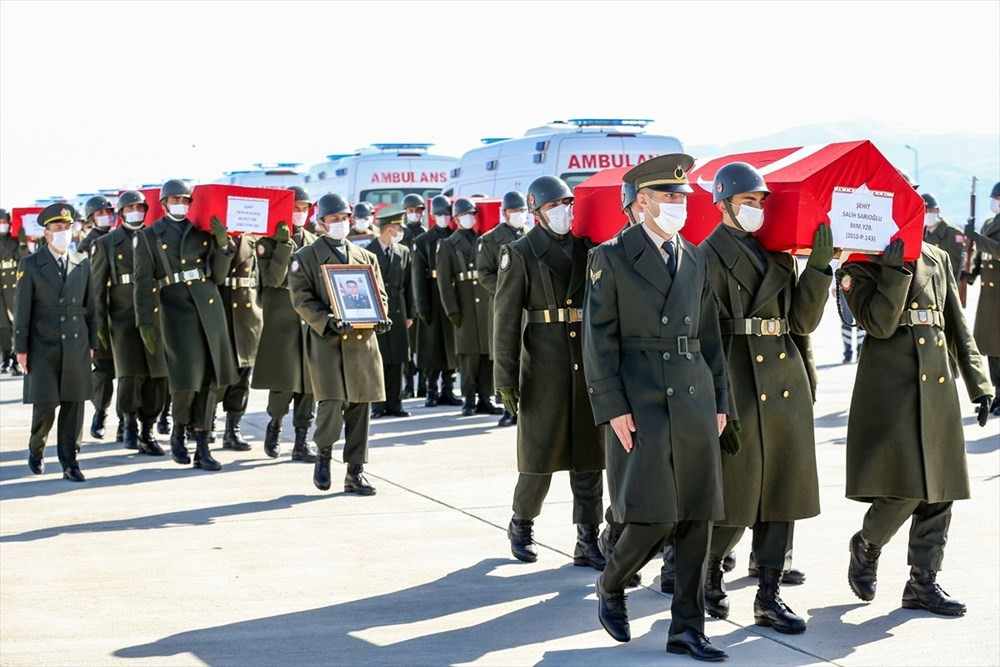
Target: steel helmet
513 199
737 178
628 195
175 188
301 194
95 204
545 189
463 205
331 204
440 205
413 200
995 192
930 201
908 179
130 197
363 210
4 214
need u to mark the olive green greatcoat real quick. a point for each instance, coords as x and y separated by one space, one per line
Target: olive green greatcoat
86 243
244 316
951 239
634 313
555 423
988 264
191 315
456 255
904 433
54 325
345 367
394 345
112 271
487 265
773 477
282 339
435 338
11 253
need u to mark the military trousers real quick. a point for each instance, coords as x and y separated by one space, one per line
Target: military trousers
447 378
928 528
69 431
141 395
102 379
772 542
235 398
392 375
331 417
194 408
477 376
302 414
640 542
6 341
587 487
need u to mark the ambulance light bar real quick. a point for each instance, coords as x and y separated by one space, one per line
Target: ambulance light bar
237 172
398 147
277 165
492 140
610 122
337 156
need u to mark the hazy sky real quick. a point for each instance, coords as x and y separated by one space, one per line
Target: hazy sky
111 94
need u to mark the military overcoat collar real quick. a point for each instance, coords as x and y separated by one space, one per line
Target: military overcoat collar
325 254
553 259
764 289
925 267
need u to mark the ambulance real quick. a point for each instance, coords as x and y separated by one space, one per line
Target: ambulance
381 174
573 150
266 175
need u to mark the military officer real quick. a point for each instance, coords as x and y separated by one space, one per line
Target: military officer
182 266
435 337
905 442
141 375
939 233
770 481
539 371
362 234
656 371
12 251
413 210
346 366
55 334
987 265
466 304
513 213
282 369
394 345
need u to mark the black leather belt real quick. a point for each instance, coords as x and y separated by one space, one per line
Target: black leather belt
61 310
754 326
553 316
682 345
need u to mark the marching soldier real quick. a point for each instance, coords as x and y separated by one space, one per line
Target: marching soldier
656 371
362 234
769 477
905 442
346 366
54 335
987 265
540 371
466 303
12 251
394 266
939 233
435 337
514 213
283 368
183 266
414 209
141 375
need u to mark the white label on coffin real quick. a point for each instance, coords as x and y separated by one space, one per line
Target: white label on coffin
246 215
29 222
861 219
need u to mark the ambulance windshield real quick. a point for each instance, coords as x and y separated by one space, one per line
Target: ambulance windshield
396 196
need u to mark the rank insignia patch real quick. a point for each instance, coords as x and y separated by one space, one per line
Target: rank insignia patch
596 275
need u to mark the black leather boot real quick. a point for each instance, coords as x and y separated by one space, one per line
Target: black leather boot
97 429
768 608
202 456
729 562
521 534
668 571
232 438
506 420
163 423
923 592
303 451
130 432
716 599
211 431
612 613
120 431
272 447
587 553
321 472
486 406
432 397
355 482
147 441
469 407
447 396
863 569
790 577
178 445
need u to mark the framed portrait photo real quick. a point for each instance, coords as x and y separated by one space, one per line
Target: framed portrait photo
354 295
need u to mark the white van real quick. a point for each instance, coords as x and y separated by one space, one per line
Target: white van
266 175
573 150
381 174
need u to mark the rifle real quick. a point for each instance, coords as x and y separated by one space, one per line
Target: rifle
964 284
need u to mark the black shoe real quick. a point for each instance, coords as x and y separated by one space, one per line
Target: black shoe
790 577
397 413
587 553
488 407
272 447
469 407
178 445
863 569
431 402
36 464
202 455
668 571
130 433
147 441
716 598
695 645
97 429
407 392
163 424
506 420
521 534
321 473
923 592
768 608
448 398
729 562
232 438
303 451
378 413
612 613
355 482
73 474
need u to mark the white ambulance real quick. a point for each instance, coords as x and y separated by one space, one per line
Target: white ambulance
573 150
266 175
381 174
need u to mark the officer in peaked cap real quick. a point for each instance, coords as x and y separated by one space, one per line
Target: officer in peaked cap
12 250
938 232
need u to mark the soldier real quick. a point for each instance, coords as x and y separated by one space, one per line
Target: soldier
183 266
906 456
283 368
413 210
939 233
12 251
770 481
466 303
394 345
514 213
987 265
54 337
655 370
362 234
630 207
141 375
539 371
435 335
346 365
100 212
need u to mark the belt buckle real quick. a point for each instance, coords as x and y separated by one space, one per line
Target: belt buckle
682 345
923 316
575 314
770 327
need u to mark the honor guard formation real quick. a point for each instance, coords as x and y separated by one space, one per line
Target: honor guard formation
679 375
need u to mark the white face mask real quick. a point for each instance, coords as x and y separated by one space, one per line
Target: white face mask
397 237
995 206
467 221
414 217
4 227
671 218
178 211
442 220
102 221
516 219
77 226
134 218
338 230
362 223
560 219
931 219
299 218
60 240
750 219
